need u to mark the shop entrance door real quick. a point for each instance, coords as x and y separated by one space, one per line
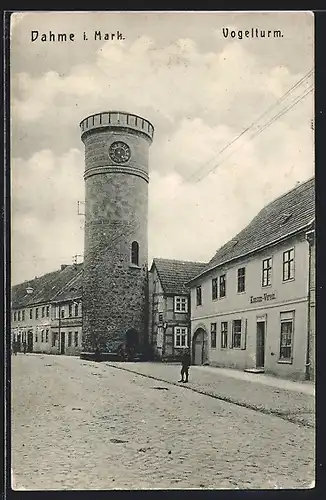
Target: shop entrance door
260 353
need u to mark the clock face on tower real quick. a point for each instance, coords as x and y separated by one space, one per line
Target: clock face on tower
119 152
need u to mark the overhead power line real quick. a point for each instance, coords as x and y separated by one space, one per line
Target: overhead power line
255 122
257 132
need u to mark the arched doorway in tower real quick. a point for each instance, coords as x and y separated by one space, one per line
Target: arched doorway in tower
131 343
200 347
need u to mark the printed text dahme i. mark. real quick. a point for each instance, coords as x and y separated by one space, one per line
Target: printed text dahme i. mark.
51 36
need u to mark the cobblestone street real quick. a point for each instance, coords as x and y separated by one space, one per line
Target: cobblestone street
86 425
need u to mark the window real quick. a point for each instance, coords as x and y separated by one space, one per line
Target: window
23 315
181 304
47 336
42 336
69 339
198 296
213 335
267 272
241 279
31 314
76 309
36 313
222 285
180 336
18 315
54 338
76 339
47 311
214 288
15 316
36 336
160 317
286 341
62 313
135 253
288 265
224 334
70 310
236 337
43 312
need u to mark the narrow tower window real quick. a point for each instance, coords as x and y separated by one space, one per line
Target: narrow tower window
135 253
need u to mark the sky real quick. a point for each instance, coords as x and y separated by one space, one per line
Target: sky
199 89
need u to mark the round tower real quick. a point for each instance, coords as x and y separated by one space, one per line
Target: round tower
115 283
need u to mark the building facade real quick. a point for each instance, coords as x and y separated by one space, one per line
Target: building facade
169 306
47 313
115 279
311 353
250 306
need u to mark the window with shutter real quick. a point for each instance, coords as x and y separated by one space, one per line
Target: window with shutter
244 334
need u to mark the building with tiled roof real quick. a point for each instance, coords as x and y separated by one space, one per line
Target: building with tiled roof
47 312
174 274
250 303
169 306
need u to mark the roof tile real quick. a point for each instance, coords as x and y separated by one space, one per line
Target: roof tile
285 215
174 274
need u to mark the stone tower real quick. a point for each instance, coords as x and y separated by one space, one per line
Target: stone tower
115 283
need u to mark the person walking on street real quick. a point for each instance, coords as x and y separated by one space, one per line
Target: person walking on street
185 362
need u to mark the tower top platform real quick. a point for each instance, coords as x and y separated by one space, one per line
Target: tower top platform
115 120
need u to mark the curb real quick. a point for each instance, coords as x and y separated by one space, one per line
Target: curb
276 413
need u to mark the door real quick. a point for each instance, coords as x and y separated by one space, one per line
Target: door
260 353
200 347
30 341
62 343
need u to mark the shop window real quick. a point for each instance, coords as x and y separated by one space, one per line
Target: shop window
286 340
69 339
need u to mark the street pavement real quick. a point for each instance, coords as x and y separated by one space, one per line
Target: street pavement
293 401
86 425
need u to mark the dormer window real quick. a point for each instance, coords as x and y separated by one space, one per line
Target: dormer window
285 218
135 253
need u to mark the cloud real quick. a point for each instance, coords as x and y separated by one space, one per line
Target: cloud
198 101
45 226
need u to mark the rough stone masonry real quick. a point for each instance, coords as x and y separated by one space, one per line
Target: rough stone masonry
115 283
